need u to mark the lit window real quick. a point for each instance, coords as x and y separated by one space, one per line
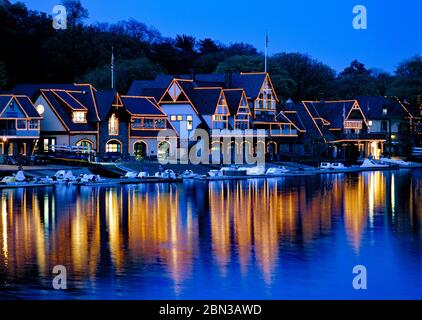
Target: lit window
34 124
21 124
79 117
113 125
370 122
173 118
189 123
179 118
384 111
113 146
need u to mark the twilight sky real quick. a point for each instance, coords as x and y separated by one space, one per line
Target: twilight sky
323 28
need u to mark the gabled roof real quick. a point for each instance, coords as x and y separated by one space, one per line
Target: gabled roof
105 103
143 87
251 82
24 103
312 129
294 118
233 98
373 107
141 106
205 99
65 114
330 113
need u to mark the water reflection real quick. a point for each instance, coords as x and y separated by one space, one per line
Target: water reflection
196 230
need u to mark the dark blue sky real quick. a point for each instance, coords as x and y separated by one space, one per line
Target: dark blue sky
323 28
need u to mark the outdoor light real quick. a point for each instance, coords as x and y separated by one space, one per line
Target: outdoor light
370 122
40 109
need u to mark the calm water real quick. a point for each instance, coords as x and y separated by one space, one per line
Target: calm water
288 238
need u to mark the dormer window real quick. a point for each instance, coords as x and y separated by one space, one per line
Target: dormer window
113 125
79 117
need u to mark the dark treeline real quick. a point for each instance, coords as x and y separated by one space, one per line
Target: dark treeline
34 52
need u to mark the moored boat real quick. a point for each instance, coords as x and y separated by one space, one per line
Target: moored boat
277 171
188 174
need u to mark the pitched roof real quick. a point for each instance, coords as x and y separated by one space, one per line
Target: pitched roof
331 111
31 90
141 106
205 100
251 82
312 129
64 112
233 98
23 101
105 101
294 118
373 107
140 87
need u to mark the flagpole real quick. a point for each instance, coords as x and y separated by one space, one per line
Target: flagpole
112 68
266 51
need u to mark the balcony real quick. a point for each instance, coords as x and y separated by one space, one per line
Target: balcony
7 132
363 136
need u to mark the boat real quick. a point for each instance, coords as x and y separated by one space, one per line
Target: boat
325 165
338 166
20 176
399 162
167 174
188 174
253 171
277 171
142 175
19 181
130 175
332 166
62 176
370 164
233 171
215 173
89 178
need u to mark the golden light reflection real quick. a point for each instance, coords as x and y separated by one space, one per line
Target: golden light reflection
247 223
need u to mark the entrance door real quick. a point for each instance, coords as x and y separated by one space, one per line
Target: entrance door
140 150
1 152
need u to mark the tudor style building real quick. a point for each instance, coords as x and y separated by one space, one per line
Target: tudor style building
19 126
245 101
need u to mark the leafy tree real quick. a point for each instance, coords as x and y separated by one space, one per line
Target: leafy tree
382 81
3 77
237 64
313 79
354 81
408 82
125 72
208 63
241 49
207 46
186 43
76 13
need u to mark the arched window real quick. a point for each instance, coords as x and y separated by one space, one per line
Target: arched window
87 145
114 146
113 125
